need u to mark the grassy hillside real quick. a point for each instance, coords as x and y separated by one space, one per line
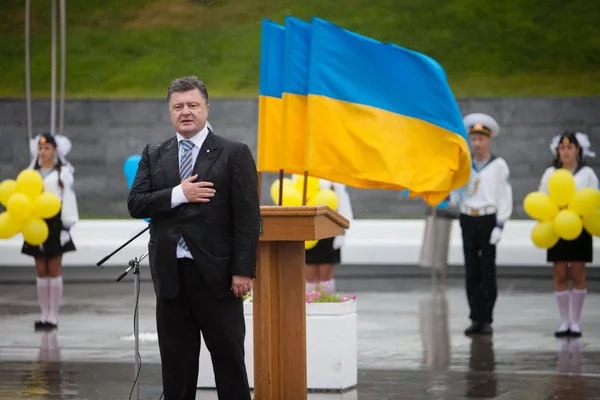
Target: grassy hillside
133 48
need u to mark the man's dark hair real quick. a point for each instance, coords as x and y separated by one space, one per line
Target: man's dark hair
186 84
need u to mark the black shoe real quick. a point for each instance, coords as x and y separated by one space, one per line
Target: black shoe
486 329
562 334
574 334
49 326
473 329
39 325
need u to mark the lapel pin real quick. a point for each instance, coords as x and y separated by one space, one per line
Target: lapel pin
208 151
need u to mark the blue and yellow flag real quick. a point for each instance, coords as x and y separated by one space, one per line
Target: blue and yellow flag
381 116
270 146
295 90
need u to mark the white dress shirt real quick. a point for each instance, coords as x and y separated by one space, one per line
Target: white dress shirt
177 196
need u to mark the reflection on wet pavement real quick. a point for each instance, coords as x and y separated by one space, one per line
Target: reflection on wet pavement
410 347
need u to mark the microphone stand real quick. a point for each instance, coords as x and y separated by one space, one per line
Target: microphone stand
134 265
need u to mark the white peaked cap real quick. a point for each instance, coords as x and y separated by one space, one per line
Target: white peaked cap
483 123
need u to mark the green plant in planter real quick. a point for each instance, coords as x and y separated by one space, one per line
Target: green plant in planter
319 295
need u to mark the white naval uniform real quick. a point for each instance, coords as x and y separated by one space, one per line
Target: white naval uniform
488 192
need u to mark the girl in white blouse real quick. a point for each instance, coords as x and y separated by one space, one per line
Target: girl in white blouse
49 154
321 259
569 257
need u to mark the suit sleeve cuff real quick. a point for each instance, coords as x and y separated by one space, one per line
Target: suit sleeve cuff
177 197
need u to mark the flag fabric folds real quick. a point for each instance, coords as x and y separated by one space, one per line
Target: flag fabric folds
381 116
270 143
295 90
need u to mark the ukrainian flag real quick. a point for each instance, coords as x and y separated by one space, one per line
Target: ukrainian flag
295 90
270 145
381 116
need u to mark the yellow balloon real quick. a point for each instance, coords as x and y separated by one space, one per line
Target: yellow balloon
568 225
543 235
591 223
7 188
312 186
287 182
35 231
291 196
30 183
540 206
9 225
20 206
309 244
561 187
325 197
46 205
586 201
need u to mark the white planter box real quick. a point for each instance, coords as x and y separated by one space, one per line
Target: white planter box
331 347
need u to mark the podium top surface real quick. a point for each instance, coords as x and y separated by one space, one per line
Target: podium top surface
300 223
304 211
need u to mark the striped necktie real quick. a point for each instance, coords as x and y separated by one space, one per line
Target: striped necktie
185 171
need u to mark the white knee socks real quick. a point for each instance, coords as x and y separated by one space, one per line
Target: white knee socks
56 292
577 299
310 286
562 300
43 293
328 286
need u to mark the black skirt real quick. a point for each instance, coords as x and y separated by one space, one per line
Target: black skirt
51 247
323 253
579 249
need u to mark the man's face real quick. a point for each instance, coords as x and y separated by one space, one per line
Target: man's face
189 112
479 142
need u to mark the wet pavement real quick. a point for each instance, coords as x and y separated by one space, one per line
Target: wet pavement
410 344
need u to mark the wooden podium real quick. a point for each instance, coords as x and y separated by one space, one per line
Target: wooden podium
279 297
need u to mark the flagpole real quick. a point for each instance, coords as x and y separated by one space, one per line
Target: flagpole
304 188
63 64
280 187
28 69
259 185
53 73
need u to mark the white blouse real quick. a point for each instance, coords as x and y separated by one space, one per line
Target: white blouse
69 211
585 177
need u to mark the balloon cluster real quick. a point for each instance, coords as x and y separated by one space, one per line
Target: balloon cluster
565 212
292 196
27 205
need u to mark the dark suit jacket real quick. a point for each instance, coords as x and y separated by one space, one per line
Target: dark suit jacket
222 235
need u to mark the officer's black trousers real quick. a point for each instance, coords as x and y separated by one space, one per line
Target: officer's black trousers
480 265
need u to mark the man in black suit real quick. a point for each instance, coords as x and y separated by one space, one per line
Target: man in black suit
201 192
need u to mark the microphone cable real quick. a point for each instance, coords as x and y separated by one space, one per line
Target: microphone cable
138 355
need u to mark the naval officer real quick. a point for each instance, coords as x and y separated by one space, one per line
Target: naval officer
485 205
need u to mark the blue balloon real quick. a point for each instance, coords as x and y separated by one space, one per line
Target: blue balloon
130 168
443 205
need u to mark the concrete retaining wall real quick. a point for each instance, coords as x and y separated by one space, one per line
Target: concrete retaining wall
106 132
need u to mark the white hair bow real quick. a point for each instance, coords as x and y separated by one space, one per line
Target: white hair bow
63 147
582 139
